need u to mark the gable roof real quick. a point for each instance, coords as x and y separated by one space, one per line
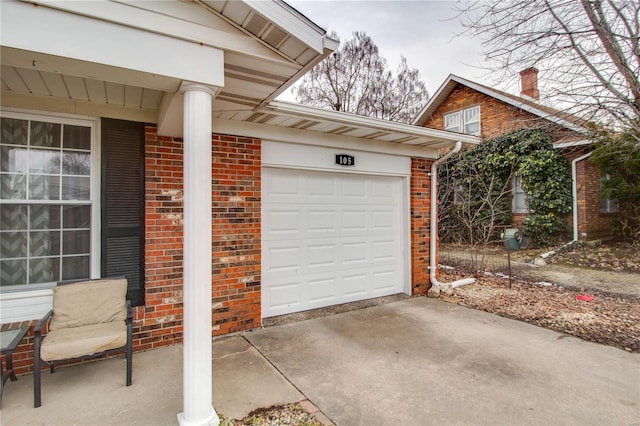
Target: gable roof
527 104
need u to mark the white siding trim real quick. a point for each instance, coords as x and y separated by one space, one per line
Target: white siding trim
25 305
278 154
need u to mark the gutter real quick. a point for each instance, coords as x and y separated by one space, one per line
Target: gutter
437 286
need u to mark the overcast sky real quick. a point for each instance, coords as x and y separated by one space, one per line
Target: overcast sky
421 30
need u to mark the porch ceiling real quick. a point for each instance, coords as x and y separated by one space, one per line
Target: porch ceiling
266 45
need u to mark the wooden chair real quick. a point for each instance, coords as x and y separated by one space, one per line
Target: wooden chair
89 318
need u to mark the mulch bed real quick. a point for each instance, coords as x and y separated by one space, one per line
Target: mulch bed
607 318
609 256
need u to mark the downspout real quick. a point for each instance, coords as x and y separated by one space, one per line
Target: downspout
437 286
574 193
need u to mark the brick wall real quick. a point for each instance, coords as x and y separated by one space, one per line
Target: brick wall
420 193
159 321
497 117
236 238
236 233
235 290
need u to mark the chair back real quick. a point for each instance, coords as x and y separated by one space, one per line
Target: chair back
89 302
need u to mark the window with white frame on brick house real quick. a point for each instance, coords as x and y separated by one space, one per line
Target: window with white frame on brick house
607 205
45 187
519 199
459 195
55 222
464 121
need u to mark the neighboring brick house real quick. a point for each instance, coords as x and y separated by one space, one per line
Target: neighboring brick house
158 153
465 106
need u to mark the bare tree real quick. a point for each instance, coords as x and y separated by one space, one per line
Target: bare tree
588 51
355 79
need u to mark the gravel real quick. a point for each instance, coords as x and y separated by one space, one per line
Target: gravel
278 415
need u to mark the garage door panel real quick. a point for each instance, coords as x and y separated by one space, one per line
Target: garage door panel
329 238
322 220
354 220
322 187
383 219
323 291
283 221
285 295
281 186
383 280
354 253
354 188
356 285
384 192
322 256
282 259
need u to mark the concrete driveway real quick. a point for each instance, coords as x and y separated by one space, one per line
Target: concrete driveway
425 362
410 362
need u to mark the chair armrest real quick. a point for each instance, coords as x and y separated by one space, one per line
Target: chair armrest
37 331
129 312
42 322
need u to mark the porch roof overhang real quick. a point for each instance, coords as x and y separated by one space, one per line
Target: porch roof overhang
112 56
284 120
55 56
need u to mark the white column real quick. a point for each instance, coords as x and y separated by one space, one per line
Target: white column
197 397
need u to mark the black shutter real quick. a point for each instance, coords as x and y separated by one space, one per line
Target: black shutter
123 204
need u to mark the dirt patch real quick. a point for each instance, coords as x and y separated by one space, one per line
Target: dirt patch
608 318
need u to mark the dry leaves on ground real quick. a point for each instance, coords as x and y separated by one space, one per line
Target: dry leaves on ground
608 319
619 257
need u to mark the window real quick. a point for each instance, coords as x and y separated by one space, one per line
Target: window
46 201
464 121
607 205
459 195
519 200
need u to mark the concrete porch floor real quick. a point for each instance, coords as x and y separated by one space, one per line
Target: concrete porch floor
95 393
410 362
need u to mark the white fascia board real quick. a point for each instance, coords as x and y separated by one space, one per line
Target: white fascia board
581 142
433 99
372 123
67 35
162 24
294 23
308 137
27 101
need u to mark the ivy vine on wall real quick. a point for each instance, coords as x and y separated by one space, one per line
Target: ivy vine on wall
476 190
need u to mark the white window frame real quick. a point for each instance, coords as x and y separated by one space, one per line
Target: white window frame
607 205
519 197
459 195
94 197
460 118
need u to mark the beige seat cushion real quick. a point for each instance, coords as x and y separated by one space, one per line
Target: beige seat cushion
79 341
89 302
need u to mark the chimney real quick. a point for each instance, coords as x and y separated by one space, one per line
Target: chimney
529 83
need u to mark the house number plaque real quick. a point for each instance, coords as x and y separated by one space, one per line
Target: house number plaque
345 160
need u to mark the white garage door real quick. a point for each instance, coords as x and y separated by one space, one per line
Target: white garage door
329 238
